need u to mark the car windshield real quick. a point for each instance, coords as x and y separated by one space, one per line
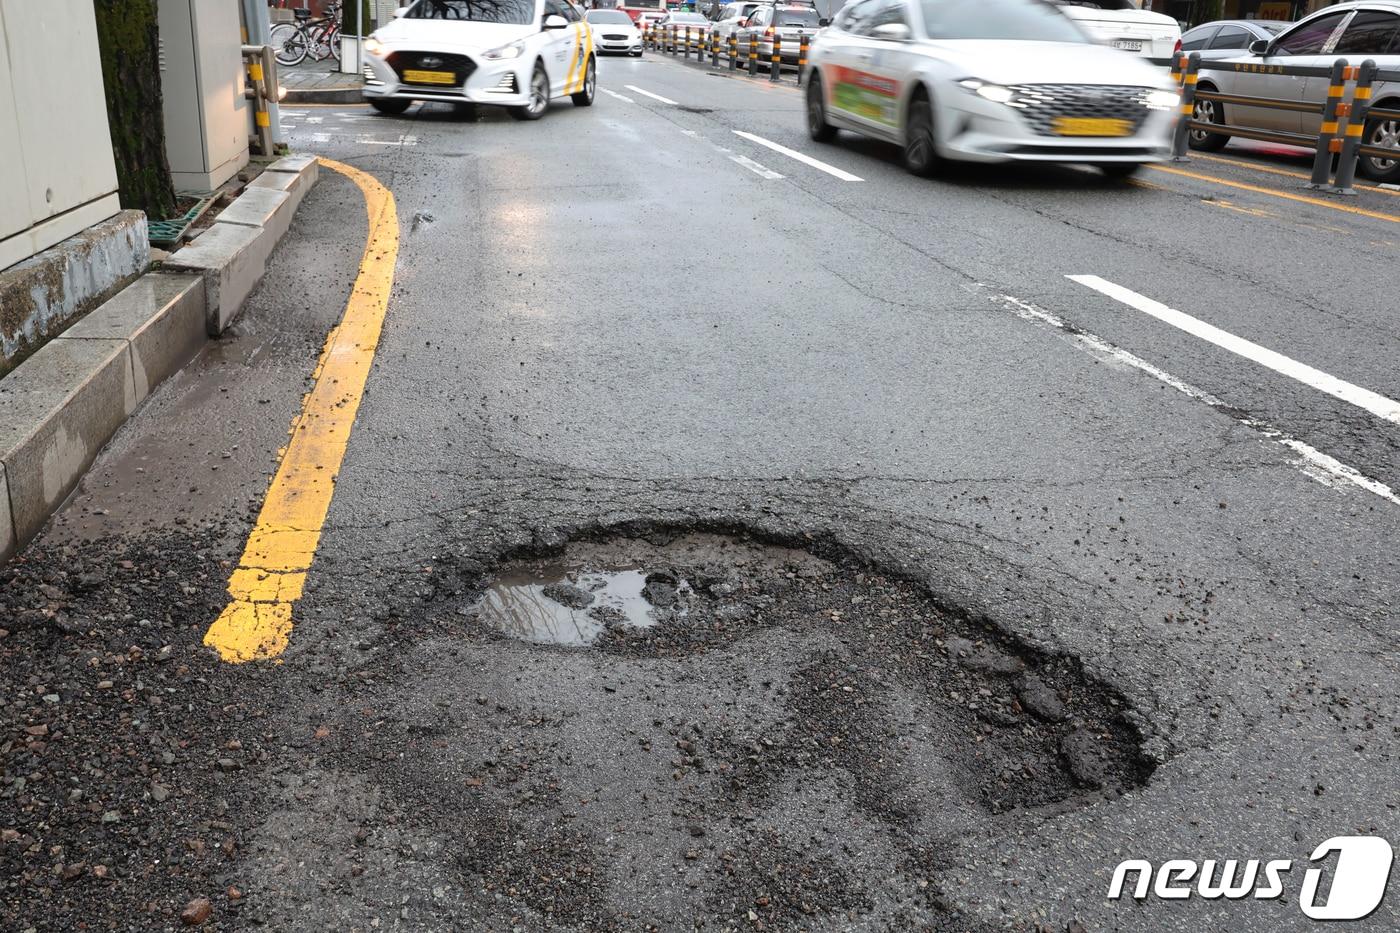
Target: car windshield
1101 4
512 12
998 19
687 18
799 18
606 17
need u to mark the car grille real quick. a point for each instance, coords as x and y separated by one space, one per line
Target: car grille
1042 104
460 65
613 37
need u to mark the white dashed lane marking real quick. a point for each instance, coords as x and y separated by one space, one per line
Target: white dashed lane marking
800 157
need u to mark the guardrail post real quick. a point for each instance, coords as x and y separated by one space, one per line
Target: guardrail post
1355 127
1329 142
775 61
1188 107
753 53
802 47
733 51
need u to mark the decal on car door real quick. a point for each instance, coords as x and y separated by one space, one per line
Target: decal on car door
865 95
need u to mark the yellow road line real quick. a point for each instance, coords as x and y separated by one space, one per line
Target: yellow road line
1274 192
1283 171
257 622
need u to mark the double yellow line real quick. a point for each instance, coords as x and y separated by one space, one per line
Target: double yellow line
257 622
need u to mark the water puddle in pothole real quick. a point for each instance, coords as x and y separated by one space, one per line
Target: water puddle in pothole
556 604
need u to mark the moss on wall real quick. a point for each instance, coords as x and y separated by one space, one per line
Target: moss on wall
128 37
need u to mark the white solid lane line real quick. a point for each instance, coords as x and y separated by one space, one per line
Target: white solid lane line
760 170
664 100
1376 404
804 159
621 97
1312 462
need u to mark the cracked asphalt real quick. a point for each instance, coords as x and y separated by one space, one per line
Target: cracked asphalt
604 330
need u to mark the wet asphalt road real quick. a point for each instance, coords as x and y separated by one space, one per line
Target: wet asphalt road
618 320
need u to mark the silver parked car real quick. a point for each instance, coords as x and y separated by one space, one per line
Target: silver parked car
1354 31
790 22
1227 38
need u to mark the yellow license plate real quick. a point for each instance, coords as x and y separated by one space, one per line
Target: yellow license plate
429 77
1092 126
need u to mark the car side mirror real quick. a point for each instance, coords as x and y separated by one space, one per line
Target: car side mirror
555 21
823 23
894 32
1259 47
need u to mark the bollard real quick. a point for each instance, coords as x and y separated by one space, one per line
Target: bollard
1178 68
1188 107
685 51
753 53
733 51
775 61
1355 127
802 48
714 49
1329 141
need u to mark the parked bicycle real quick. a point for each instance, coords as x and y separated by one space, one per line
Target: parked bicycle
318 38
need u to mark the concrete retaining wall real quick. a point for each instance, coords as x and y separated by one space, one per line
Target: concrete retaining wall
44 294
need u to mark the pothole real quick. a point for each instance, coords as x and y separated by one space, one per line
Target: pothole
797 736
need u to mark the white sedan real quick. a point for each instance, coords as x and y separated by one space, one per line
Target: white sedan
991 81
614 31
519 54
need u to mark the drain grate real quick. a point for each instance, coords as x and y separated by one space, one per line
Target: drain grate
165 233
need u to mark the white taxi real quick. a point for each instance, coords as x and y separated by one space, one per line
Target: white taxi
991 81
518 54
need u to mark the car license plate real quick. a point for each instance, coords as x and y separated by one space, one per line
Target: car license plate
429 77
1128 45
1092 126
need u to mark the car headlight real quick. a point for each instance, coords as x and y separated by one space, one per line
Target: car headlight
373 46
514 50
1162 100
992 92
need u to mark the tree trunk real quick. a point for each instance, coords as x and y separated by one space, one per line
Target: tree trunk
128 37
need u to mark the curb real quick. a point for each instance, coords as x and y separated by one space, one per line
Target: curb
346 95
63 404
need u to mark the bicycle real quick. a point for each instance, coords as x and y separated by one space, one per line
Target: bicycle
319 38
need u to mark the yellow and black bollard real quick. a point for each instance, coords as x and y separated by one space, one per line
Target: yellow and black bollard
1334 112
685 50
733 51
714 49
775 63
753 53
802 48
1188 108
1356 114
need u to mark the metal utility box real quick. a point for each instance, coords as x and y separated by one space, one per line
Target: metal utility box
57 175
206 114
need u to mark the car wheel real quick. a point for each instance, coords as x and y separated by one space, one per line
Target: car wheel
920 150
584 98
817 127
1385 134
390 105
1120 171
539 96
1207 111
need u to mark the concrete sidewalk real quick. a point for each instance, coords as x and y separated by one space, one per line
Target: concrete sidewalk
319 83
